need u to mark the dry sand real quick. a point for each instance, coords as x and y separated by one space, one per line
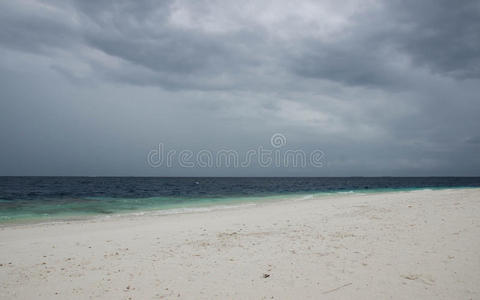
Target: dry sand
402 245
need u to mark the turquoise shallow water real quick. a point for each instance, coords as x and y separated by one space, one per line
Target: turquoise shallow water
88 207
95 206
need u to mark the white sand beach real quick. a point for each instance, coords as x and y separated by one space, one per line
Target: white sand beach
401 245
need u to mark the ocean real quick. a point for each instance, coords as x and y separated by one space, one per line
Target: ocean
60 198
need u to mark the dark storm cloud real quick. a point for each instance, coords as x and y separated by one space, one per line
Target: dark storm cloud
31 32
156 53
441 36
120 29
98 9
374 50
151 51
359 63
473 140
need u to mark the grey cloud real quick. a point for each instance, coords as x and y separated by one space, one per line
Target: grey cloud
442 35
157 53
34 33
375 50
105 11
473 140
378 49
361 65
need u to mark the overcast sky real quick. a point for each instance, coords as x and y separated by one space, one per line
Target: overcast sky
381 87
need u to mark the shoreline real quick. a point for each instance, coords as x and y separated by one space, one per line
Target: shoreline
421 243
206 207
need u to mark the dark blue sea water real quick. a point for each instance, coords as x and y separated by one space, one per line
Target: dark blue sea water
31 198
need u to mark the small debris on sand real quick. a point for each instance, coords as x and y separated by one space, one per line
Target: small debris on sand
337 288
